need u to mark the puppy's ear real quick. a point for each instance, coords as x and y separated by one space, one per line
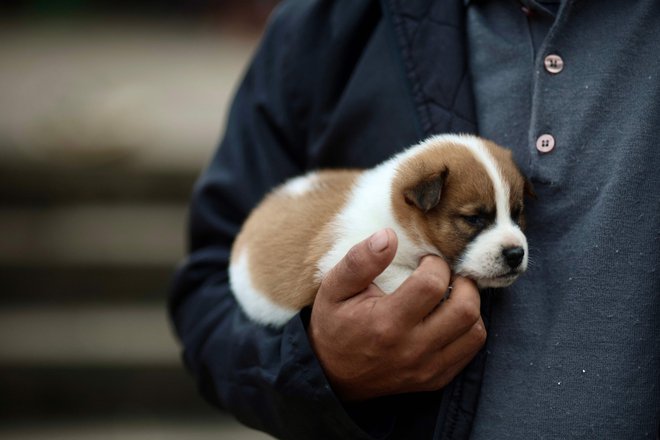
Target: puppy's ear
426 193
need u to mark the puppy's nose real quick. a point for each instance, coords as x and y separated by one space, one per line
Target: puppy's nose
513 256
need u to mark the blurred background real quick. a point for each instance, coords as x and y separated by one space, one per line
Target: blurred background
108 112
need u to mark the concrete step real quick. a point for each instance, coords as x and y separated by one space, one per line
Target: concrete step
123 335
93 234
58 284
149 95
106 373
24 183
44 392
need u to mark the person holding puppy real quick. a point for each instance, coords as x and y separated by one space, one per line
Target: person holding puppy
571 87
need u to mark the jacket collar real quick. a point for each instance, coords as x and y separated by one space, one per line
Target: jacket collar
431 42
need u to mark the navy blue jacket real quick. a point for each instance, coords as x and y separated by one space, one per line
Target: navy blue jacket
334 84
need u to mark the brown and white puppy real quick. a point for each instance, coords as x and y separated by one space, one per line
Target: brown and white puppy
459 197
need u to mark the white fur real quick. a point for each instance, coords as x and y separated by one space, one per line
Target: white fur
300 185
254 302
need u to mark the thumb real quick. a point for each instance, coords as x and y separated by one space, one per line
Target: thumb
363 262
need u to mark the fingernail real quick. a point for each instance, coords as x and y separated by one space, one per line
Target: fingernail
379 241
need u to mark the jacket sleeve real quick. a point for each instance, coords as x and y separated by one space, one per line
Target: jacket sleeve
269 379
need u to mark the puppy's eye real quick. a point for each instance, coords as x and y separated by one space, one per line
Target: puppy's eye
476 221
515 214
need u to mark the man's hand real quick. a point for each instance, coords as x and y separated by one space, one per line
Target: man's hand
371 344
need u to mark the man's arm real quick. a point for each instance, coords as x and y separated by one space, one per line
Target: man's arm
272 379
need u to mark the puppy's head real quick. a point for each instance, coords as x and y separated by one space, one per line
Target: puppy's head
464 196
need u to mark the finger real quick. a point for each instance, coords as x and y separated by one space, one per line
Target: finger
360 266
439 367
459 353
456 315
421 293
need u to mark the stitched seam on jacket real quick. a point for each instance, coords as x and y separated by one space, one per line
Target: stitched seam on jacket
416 87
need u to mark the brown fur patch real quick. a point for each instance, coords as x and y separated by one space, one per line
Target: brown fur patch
466 190
290 233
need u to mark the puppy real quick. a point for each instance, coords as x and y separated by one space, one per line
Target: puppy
458 197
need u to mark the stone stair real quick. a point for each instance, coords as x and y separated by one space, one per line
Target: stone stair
90 236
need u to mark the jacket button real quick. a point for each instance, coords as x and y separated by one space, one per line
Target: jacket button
545 143
553 64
